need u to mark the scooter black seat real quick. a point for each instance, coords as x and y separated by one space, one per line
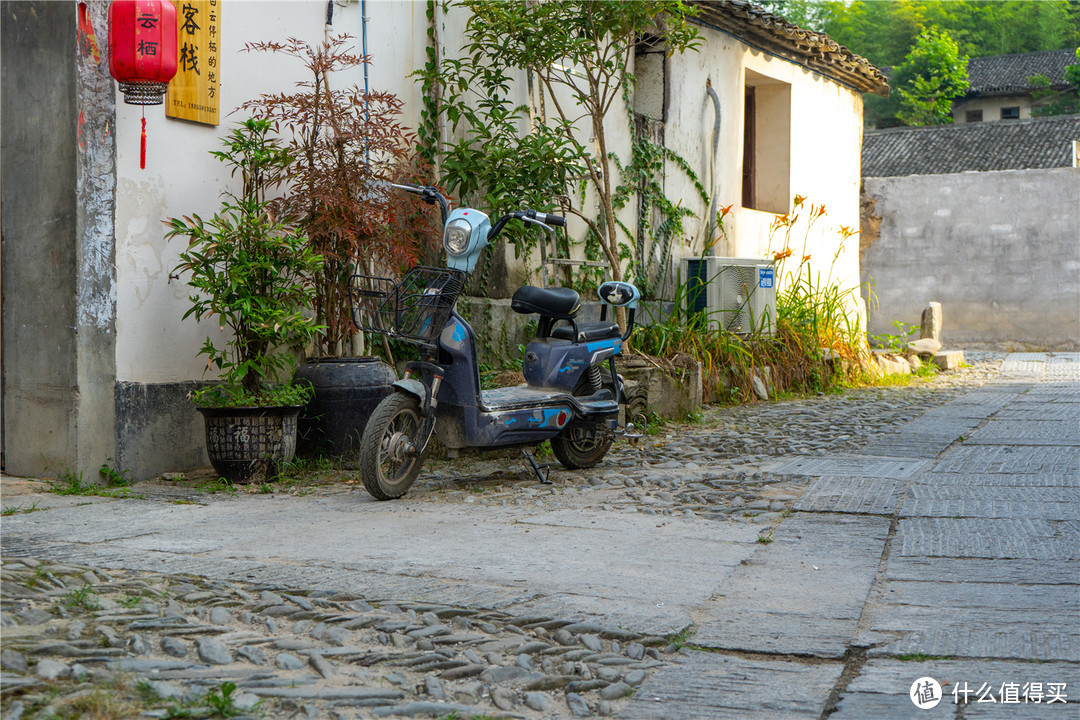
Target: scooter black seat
588 332
558 303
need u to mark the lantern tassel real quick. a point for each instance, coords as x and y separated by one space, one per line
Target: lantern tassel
142 145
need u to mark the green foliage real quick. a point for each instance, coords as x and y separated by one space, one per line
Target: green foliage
932 74
643 179
222 702
346 144
113 477
1072 72
84 598
898 342
216 703
13 509
681 638
250 272
503 157
1049 101
71 483
216 485
816 345
885 32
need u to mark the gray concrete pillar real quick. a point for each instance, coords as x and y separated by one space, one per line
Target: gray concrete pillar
58 271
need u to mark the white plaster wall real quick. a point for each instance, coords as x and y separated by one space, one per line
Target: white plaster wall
826 140
991 107
153 344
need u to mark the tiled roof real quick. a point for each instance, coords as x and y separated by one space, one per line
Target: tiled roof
761 29
1005 145
1008 74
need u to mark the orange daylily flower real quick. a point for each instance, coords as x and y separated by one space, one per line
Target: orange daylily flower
725 210
782 254
805 258
799 200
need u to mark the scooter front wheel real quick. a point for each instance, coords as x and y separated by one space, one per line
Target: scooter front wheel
581 445
390 453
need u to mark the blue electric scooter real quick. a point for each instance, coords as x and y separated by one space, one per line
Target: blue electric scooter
569 397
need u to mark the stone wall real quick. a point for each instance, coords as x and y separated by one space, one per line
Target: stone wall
998 250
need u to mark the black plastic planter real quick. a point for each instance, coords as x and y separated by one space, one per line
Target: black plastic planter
346 393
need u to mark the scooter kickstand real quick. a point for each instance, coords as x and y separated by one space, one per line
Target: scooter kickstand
542 477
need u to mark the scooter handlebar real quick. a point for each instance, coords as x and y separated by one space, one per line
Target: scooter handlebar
535 216
549 219
430 195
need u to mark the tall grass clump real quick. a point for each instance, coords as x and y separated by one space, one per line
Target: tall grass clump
816 345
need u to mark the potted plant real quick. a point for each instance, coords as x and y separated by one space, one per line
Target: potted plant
250 272
347 144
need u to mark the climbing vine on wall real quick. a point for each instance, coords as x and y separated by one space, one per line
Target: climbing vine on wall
498 155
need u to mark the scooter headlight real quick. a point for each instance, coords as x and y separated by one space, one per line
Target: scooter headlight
456 236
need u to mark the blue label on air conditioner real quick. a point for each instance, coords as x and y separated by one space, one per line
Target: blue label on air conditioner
765 277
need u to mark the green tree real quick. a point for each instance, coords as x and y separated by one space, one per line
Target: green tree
933 73
580 52
885 32
1072 72
1048 101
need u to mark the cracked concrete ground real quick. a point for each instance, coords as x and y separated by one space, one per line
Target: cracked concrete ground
805 578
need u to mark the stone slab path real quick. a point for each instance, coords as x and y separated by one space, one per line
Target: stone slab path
805 559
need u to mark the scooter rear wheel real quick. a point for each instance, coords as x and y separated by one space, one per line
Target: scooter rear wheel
581 446
389 455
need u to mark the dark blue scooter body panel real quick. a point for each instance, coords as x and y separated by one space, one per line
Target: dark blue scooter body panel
516 415
560 363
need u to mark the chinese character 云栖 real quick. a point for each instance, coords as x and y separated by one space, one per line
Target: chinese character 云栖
148 21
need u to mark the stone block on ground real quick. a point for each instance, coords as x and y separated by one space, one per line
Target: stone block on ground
931 322
892 364
948 359
925 347
672 392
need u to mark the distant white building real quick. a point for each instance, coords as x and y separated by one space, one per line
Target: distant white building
1000 88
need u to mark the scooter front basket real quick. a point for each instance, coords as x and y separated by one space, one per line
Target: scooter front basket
414 309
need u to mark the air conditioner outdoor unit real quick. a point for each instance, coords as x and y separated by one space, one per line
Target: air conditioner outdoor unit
736 294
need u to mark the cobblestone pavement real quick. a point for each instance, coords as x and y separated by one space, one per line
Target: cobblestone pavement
831 535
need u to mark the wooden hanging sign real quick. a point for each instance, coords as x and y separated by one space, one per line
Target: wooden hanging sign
194 91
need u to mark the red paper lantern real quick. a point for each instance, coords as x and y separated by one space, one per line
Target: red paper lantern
142 37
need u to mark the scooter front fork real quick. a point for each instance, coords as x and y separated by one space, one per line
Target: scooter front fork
428 407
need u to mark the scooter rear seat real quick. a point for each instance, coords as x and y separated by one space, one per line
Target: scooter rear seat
557 303
588 332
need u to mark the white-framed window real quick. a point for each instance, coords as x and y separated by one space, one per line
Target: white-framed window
766 177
